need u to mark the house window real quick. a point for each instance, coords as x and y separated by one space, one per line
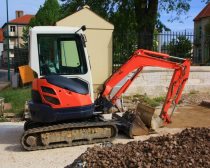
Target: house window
12 28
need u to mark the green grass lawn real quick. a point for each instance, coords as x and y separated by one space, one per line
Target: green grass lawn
153 102
17 97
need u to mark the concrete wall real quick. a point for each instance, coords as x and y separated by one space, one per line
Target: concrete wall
155 81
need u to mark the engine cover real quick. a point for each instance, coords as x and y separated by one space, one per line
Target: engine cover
56 98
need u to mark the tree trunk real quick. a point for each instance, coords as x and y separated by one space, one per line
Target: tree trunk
146 16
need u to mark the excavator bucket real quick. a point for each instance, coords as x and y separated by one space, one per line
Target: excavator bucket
130 124
149 116
141 122
138 127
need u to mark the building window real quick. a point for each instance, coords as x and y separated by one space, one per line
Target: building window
12 28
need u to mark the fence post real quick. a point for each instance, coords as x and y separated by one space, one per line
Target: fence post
159 42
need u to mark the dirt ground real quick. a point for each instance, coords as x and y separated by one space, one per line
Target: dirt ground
190 116
12 155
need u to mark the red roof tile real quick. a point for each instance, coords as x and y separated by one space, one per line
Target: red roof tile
25 19
1 35
204 13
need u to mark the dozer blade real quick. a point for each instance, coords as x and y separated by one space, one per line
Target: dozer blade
149 116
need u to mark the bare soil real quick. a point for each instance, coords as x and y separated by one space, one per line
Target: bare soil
190 116
194 98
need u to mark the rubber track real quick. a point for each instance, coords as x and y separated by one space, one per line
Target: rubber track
68 126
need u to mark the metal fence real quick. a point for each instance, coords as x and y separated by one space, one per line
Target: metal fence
21 57
180 44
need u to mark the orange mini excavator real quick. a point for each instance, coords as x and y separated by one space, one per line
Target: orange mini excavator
63 110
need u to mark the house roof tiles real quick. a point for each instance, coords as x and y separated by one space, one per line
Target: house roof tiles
204 13
25 19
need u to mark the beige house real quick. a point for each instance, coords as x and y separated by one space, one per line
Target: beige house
99 42
15 28
202 40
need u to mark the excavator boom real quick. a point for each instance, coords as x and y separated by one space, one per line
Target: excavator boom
143 58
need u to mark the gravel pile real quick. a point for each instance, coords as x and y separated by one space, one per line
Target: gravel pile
190 148
194 99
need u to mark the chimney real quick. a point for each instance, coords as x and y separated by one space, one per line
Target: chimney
19 14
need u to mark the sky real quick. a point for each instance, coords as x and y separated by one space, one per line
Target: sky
32 6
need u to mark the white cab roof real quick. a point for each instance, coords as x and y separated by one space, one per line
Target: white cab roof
54 29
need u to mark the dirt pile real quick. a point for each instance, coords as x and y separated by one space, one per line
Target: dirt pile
190 148
194 98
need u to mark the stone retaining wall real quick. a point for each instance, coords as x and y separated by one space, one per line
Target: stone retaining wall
155 81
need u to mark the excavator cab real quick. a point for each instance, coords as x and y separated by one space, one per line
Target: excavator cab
61 54
63 89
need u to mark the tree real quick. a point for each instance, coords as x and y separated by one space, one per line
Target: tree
25 37
125 38
102 7
147 16
47 15
180 47
134 20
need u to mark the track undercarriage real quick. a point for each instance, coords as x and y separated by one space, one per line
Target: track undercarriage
67 134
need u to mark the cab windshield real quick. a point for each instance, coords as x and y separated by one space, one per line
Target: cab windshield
61 54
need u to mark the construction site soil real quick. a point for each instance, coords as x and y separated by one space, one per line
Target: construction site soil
190 148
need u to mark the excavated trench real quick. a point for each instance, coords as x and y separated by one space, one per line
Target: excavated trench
190 148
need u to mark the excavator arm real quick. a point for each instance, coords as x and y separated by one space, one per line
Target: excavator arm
143 58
